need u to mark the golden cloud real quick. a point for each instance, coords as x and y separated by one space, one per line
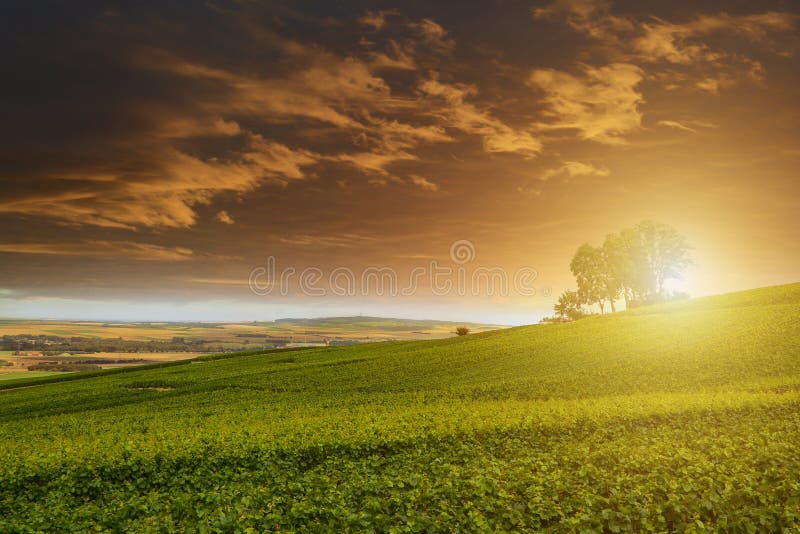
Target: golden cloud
103 249
374 19
337 109
571 169
465 116
164 194
423 183
158 176
601 105
375 161
626 38
396 57
224 217
672 42
677 125
433 34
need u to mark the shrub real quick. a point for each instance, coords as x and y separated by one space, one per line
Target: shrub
63 367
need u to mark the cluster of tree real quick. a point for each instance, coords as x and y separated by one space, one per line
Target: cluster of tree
47 344
63 367
631 265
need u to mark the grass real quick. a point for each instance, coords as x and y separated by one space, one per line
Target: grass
26 374
678 417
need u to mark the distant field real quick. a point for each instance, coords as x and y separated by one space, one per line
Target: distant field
336 328
19 364
682 417
163 341
149 356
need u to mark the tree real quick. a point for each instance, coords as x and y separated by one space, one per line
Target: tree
568 306
610 283
633 263
620 252
665 253
588 267
462 331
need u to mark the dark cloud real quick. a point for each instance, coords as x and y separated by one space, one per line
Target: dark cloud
144 129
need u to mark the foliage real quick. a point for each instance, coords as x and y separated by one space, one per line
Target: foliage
63 367
462 331
679 417
568 307
593 276
625 264
634 264
665 252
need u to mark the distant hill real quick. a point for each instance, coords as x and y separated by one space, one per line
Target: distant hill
677 417
381 321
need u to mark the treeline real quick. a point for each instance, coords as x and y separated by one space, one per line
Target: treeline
57 344
64 367
631 266
49 345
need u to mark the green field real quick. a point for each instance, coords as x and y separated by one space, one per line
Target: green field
679 417
26 375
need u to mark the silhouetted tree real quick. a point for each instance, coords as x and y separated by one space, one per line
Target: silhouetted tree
462 331
665 253
622 254
568 306
589 269
633 263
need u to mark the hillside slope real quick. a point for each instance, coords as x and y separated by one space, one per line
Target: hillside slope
670 417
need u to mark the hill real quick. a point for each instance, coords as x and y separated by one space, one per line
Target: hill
382 323
682 416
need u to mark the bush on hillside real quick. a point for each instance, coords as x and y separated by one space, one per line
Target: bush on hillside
63 367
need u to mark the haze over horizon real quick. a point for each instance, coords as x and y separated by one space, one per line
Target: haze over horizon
154 155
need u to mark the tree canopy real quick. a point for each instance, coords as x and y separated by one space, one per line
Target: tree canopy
632 264
568 307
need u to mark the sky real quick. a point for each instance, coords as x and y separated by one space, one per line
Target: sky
251 160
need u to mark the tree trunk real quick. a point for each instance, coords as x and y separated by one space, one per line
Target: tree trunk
600 302
613 308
